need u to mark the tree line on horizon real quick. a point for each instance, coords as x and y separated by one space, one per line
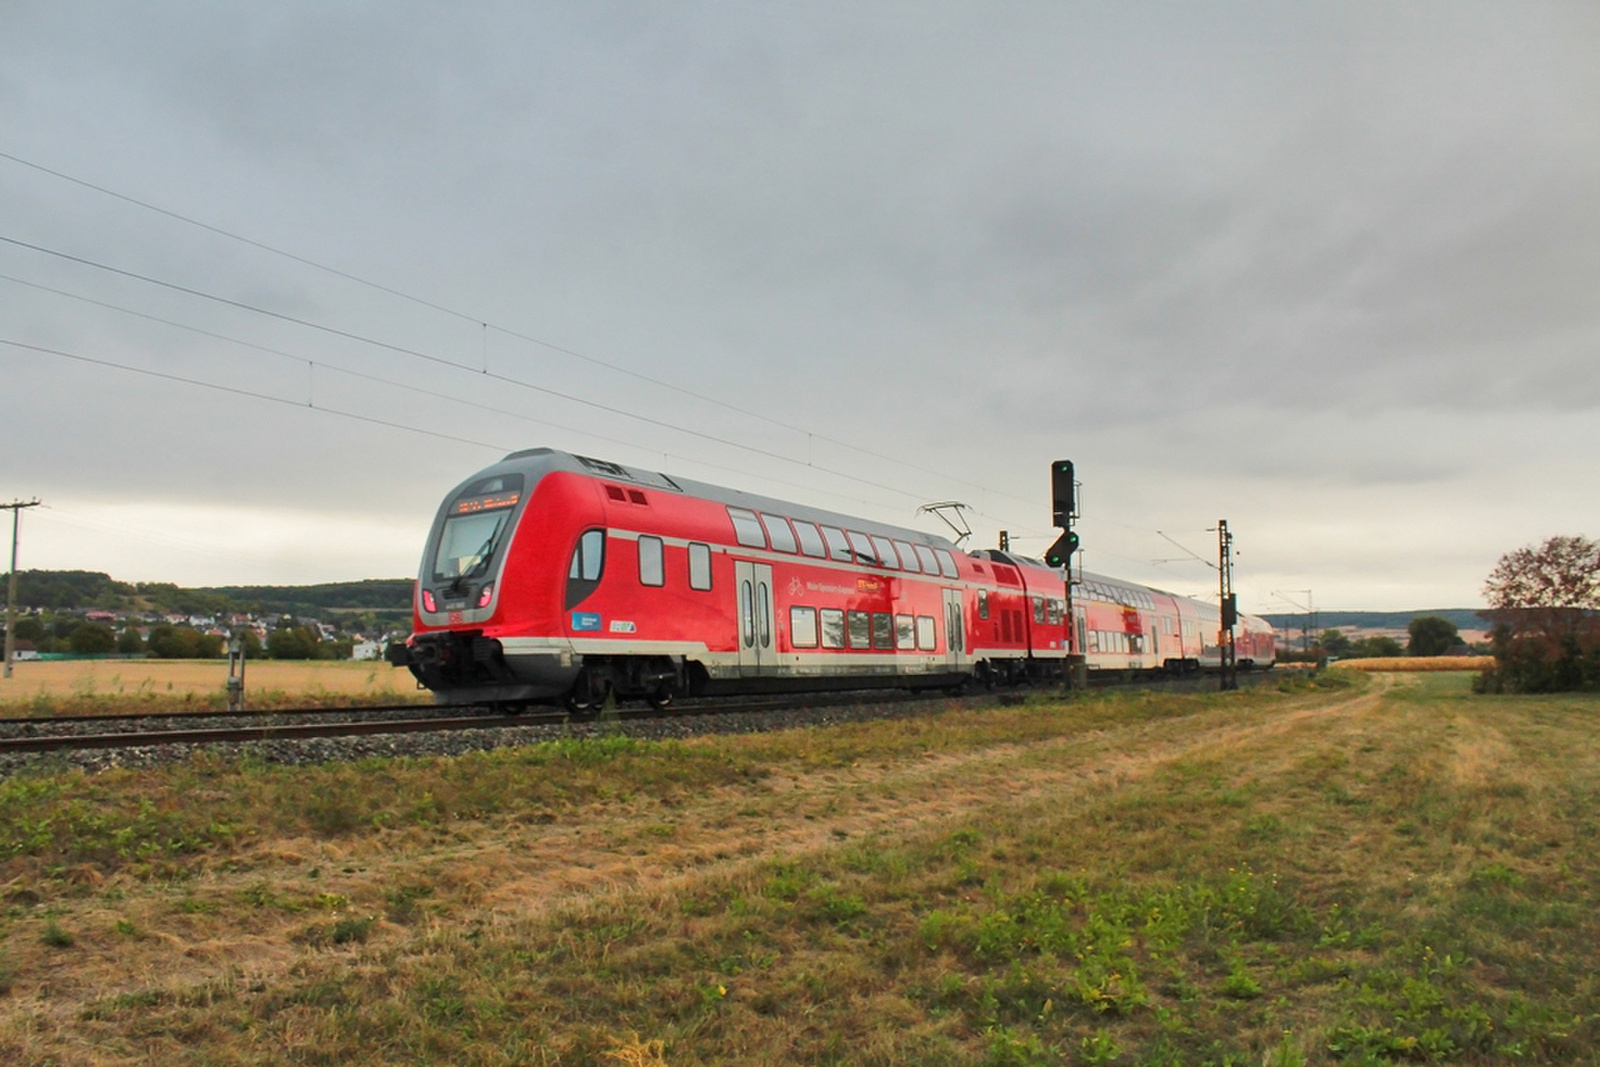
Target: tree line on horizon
95 590
289 639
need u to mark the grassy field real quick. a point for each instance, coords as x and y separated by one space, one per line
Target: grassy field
1351 868
57 687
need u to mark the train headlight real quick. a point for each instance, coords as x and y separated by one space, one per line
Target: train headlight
428 603
485 596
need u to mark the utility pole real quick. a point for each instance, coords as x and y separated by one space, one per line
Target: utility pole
15 507
1229 602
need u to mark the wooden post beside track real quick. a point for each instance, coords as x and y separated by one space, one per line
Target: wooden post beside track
236 672
15 507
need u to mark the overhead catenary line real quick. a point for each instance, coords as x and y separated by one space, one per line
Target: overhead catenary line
236 391
486 326
430 393
441 361
326 410
661 383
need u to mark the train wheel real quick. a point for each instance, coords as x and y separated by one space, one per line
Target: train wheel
587 696
661 699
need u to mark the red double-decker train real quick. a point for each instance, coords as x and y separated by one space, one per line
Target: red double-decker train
551 577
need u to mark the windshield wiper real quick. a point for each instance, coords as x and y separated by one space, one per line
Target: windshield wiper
479 567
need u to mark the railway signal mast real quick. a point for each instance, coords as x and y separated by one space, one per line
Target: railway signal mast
1064 508
1230 605
15 507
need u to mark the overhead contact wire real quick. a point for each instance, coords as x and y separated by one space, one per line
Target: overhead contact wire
501 329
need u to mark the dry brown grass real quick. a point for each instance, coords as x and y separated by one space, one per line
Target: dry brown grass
1417 663
99 685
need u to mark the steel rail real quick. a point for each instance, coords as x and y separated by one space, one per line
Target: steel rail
215 713
248 734
307 731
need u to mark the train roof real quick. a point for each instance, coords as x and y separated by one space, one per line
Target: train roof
540 461
547 460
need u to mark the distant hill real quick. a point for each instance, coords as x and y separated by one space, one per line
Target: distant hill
1464 619
80 590
369 594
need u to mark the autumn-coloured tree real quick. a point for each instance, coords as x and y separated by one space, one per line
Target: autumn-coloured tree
1545 609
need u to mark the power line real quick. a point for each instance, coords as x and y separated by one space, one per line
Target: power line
499 329
441 361
236 391
432 394
326 410
463 316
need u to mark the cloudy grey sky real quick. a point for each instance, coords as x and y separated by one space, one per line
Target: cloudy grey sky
1329 271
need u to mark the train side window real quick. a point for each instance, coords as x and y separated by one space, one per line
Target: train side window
927 633
832 628
588 562
862 548
908 557
838 545
885 552
803 627
651 569
947 563
905 633
930 562
747 528
860 630
883 631
1038 610
983 603
810 540
778 529
699 566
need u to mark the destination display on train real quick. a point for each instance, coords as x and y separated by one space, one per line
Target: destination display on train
492 502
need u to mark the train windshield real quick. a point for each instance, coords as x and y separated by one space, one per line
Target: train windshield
475 526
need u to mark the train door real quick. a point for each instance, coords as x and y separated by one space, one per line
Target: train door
955 629
753 587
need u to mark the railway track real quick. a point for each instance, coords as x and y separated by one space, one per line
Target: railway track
32 736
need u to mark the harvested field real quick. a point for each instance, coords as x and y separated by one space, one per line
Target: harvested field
1417 663
98 686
